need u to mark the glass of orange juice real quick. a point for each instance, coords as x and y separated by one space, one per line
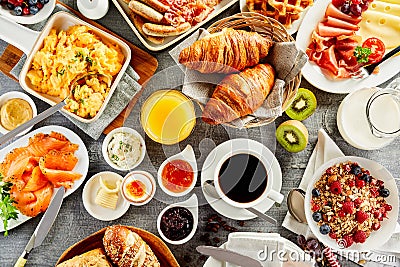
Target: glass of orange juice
168 116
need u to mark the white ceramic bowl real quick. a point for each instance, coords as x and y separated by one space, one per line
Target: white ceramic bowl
147 179
43 14
377 238
192 205
188 155
14 94
107 140
89 193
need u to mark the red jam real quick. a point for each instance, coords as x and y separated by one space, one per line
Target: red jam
136 189
177 175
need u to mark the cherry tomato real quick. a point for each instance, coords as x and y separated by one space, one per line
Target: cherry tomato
377 49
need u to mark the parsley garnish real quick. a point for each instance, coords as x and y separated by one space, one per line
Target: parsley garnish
362 54
115 157
89 60
7 210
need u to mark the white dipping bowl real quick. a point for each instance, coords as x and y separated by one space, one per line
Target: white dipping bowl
107 140
12 95
43 14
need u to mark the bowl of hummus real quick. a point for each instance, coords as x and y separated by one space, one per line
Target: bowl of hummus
16 108
124 148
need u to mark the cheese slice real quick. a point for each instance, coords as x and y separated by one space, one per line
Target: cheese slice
390 1
385 7
380 25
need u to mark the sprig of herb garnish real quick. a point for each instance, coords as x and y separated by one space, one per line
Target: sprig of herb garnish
362 54
7 210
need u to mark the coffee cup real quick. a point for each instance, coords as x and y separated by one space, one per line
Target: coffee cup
243 178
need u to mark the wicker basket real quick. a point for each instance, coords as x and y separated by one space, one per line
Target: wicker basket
265 26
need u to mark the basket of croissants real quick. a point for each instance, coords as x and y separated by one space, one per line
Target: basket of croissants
237 47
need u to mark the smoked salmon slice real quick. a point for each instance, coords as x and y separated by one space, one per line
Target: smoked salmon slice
36 181
59 177
59 160
40 204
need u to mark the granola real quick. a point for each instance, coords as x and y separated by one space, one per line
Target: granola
348 203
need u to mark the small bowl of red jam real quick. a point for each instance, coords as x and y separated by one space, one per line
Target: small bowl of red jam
138 187
178 222
177 175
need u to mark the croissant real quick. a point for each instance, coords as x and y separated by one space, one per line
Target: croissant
239 94
227 51
126 248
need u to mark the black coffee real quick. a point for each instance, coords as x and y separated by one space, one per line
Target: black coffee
243 178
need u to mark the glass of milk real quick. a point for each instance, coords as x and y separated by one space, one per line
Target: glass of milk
383 113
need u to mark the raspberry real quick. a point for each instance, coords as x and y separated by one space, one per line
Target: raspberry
348 207
341 213
376 226
378 215
361 216
351 183
332 235
358 202
388 207
360 236
374 192
348 240
315 207
336 188
360 183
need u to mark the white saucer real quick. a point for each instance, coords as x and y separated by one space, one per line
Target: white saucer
207 173
89 194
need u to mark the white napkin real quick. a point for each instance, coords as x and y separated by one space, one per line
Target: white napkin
324 151
259 246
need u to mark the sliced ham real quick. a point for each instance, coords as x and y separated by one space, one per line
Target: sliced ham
328 31
332 11
338 23
345 48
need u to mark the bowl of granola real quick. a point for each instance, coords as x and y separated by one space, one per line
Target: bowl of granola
352 203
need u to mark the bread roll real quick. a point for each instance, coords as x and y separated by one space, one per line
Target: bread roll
125 248
93 258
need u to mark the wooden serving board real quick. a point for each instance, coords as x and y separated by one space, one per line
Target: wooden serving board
142 62
160 249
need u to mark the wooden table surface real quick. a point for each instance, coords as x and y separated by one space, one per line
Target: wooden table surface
74 223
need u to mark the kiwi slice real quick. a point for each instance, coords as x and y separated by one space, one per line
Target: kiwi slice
292 135
303 105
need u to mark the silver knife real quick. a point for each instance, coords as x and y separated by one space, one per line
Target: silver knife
230 256
43 227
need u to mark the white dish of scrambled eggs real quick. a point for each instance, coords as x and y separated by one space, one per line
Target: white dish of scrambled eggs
68 48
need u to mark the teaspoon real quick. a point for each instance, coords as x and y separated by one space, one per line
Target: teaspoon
210 190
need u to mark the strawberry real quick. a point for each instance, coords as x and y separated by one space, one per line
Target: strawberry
361 216
348 207
360 236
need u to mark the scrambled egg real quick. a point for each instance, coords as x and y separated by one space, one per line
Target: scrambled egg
70 54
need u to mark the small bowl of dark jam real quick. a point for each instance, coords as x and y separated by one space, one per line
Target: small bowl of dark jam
177 223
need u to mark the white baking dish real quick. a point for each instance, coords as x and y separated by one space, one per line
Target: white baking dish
124 10
31 41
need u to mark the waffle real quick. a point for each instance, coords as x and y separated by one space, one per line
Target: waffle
284 11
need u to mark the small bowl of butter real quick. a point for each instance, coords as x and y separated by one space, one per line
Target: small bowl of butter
16 108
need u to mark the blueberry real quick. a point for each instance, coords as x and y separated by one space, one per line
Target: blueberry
10 6
34 10
317 216
315 192
324 229
355 169
366 178
32 2
18 10
384 192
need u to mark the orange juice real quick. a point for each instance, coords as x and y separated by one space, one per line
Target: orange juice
168 117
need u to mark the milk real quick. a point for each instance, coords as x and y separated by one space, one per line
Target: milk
352 119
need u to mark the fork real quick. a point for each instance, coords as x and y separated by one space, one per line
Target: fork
368 70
